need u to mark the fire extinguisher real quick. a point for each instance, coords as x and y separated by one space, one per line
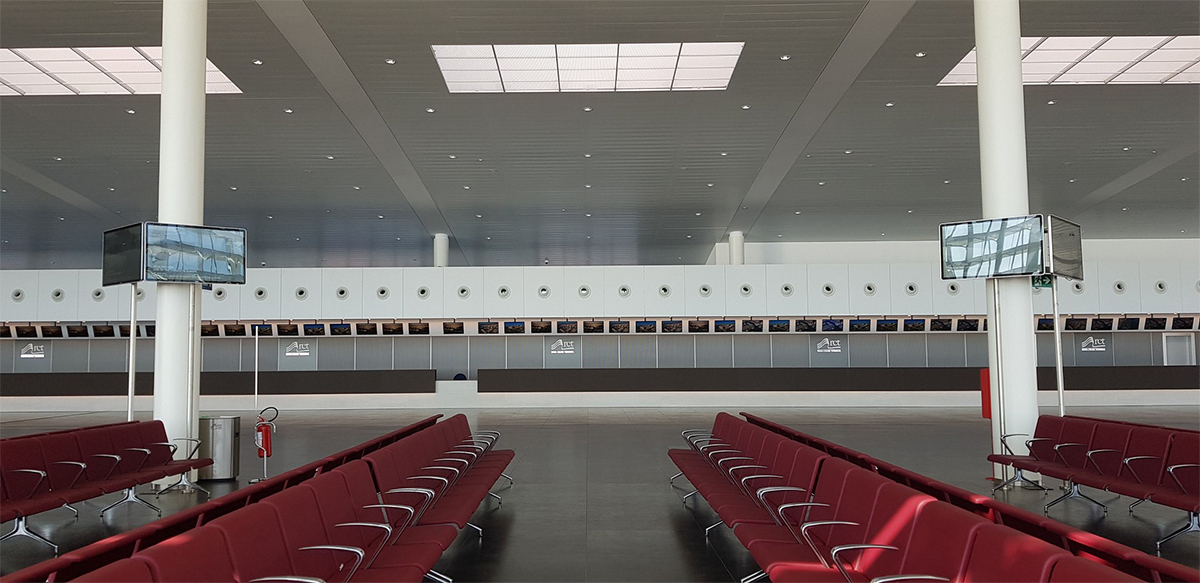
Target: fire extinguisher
263 428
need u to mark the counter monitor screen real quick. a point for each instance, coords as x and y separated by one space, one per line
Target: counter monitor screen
314 329
366 329
752 326
1128 323
779 326
568 327
76 331
831 325
123 331
340 329
150 330
806 325
1185 323
726 326
618 327
672 326
992 248
860 325
1075 324
940 325
57 331
593 327
235 329
514 327
107 331
968 325
1045 324
885 325
646 327
419 328
31 332
1102 323
1156 324
5 332
453 328
540 327
698 326
294 330
489 327
914 325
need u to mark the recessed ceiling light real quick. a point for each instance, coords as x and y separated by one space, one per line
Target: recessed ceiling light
1182 231
589 215
710 185
587 155
62 218
1124 208
269 217
453 157
910 211
380 216
58 159
479 216
1051 102
589 236
429 110
256 62
797 212
743 208
745 106
390 61
883 234
328 157
563 210
481 159
130 111
1072 181
465 187
822 183
849 151
288 110
779 235
232 188
297 238
689 236
921 54
397 238
698 214
1126 149
587 109
356 187
489 238
724 153
587 185
785 57
945 182
110 189
890 104
1184 179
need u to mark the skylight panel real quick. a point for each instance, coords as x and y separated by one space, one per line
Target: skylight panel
94 71
1097 60
587 67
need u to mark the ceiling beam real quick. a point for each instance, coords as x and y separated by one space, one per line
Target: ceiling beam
1147 169
49 186
873 26
308 39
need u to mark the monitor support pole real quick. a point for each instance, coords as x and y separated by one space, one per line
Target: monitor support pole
1058 359
256 331
133 333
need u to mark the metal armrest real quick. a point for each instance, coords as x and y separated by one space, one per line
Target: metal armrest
1062 445
736 468
293 578
429 496
1171 470
721 461
145 455
791 505
1138 457
1004 441
387 535
195 448
114 466
892 578
715 452
41 478
443 468
761 492
173 447
453 459
82 469
1093 460
487 432
358 555
757 477
474 455
412 512
833 554
445 481
478 448
804 534
713 443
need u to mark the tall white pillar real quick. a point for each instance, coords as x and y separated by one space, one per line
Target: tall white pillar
737 248
1012 356
180 200
441 250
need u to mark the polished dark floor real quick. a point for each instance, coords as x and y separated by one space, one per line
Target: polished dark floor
591 500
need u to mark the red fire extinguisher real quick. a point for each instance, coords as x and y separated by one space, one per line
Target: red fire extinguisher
263 428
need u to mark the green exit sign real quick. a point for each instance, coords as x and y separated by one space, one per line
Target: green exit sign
1043 281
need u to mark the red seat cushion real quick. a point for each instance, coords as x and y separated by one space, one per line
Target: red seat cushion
122 571
1080 570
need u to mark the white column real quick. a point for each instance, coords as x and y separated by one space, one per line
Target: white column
180 200
441 250
737 248
1012 356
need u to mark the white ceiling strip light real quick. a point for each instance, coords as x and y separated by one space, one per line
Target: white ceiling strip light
1098 60
93 71
596 67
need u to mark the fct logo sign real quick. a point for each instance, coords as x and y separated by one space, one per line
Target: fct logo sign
1092 344
296 349
827 345
561 346
32 350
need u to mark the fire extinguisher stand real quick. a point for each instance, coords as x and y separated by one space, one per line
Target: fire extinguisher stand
263 429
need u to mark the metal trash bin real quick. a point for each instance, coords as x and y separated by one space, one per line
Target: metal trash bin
220 439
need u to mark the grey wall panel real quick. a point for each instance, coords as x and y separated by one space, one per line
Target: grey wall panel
829 350
676 351
907 350
27 359
107 355
222 355
1093 348
268 355
790 351
1156 348
372 354
1045 349
1132 349
450 356
7 350
524 352
336 354
486 353
751 351
303 353
600 352
977 351
946 350
410 353
562 351
145 355
714 351
639 352
70 356
868 351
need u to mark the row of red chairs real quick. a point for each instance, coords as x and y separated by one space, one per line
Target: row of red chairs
1133 562
124 545
1148 463
386 517
51 470
806 515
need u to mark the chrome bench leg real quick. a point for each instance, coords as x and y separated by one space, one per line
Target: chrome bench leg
131 496
20 528
1193 525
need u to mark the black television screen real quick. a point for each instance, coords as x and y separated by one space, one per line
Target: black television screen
209 330
540 327
752 325
453 328
646 327
30 332
1045 324
914 325
1183 323
76 331
940 325
698 326
514 327
339 329
806 325
419 328
968 325
150 330
188 254
106 331
290 329
1156 324
122 259
1128 323
593 327
567 327
779 326
725 326
672 326
1102 323
366 329
57 331
235 329
261 330
314 329
123 331
888 325
5 332
489 327
1075 324
831 325
860 325
618 326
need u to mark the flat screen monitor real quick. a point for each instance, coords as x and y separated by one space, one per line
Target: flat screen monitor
262 330
514 327
30 332
940 325
5 332
1075 324
831 325
453 328
672 326
540 327
752 326
618 327
57 331
1064 248
1045 324
914 325
314 329
593 327
888 325
725 326
366 329
992 248
418 328
235 329
123 330
698 326
489 327
1183 323
150 330
646 327
294 329
1156 324
122 259
779 326
209 330
186 254
567 327
968 325
806 325
1128 323
860 325
1102 323
106 331
339 329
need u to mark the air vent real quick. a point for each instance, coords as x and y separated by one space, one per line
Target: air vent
260 294
141 294
624 291
18 295
786 290
869 289
341 293
383 292
1077 287
585 291
57 295
422 293
464 292
219 294
503 292
98 295
301 293
828 289
1160 287
705 290
544 292
746 290
664 290
1118 287
952 289
911 289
